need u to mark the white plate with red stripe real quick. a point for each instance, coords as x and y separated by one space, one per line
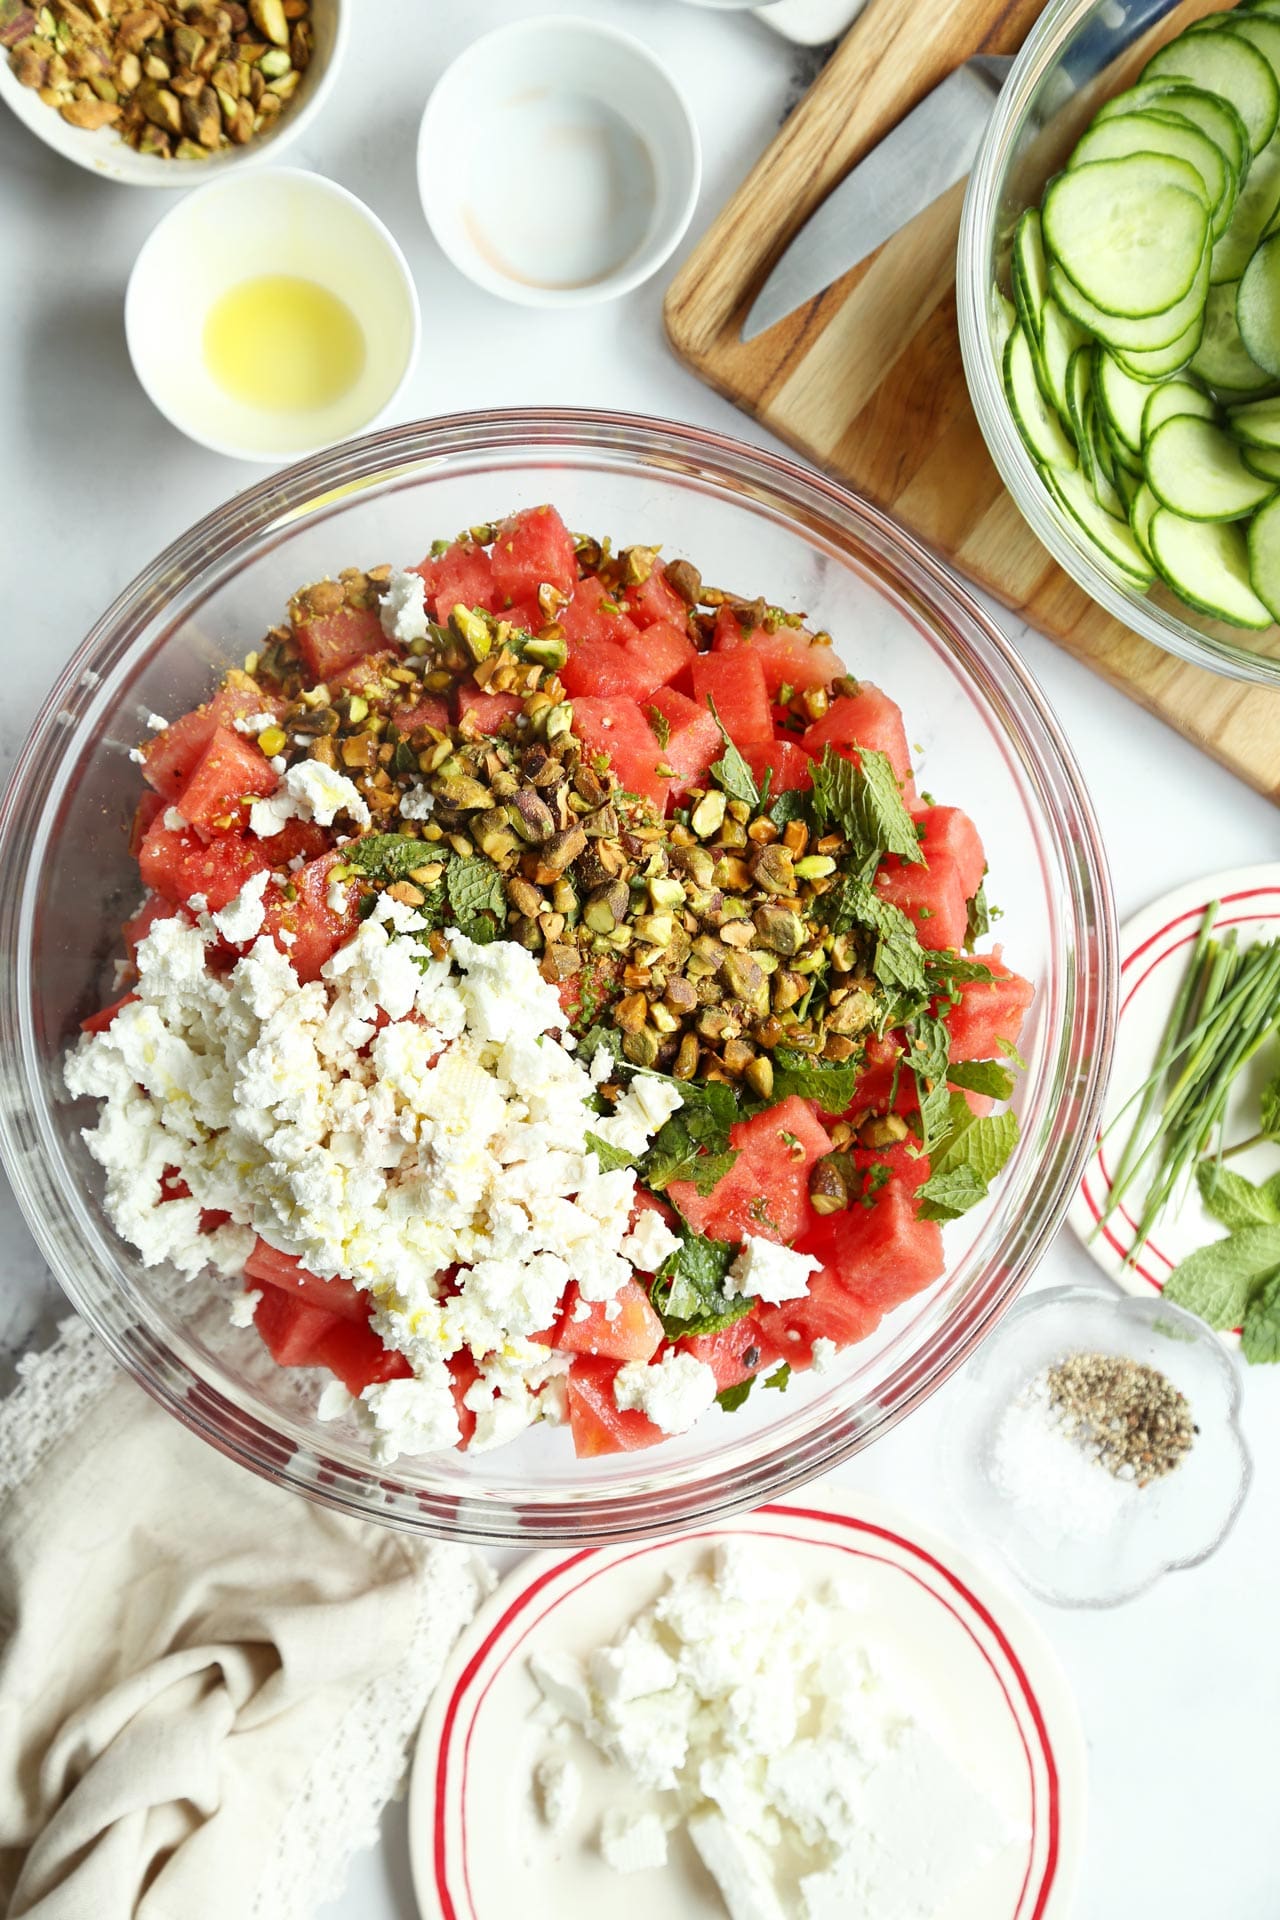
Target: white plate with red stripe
1155 947
987 1685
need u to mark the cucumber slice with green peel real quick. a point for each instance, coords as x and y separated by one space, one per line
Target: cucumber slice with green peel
1105 490
1195 469
1206 562
1156 133
1258 30
1172 399
1222 360
1030 271
1123 459
1264 557
1208 111
1080 407
1127 336
1141 508
1264 461
1258 307
1224 64
1256 423
1129 233
1061 338
1113 538
1037 422
1127 485
1122 399
1160 362
1004 318
1256 205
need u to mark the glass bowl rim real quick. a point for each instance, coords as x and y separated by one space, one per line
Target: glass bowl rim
974 284
679 1499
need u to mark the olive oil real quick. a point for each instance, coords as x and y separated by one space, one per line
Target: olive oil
283 344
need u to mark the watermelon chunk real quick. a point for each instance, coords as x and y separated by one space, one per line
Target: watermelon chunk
533 548
268 1267
989 1011
880 1253
949 839
460 577
594 618
634 1333
790 657
788 762
600 670
357 1356
868 718
369 671
291 1330
656 599
619 728
933 899
766 1190
230 773
882 1066
303 910
736 683
179 863
328 642
430 710
144 813
596 1422
170 757
485 712
693 742
736 1354
463 1373
827 1312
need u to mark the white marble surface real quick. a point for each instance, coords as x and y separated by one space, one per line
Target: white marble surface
1180 1691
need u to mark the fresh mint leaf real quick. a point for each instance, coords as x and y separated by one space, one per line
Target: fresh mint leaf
928 1044
1269 1119
978 921
898 962
388 856
731 1398
660 724
1235 1202
694 1143
590 1042
780 1377
982 1076
732 774
1010 1052
610 1158
1216 1281
864 801
1261 1342
791 804
709 1169
947 970
798 1073
979 1145
476 897
688 1290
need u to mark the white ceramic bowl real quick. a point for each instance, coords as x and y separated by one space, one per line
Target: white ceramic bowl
105 154
283 221
608 169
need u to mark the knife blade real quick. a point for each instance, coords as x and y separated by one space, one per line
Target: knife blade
927 152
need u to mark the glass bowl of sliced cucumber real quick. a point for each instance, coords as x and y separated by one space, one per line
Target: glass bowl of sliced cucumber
1119 307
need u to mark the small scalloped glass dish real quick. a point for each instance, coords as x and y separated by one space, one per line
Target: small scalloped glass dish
1175 1521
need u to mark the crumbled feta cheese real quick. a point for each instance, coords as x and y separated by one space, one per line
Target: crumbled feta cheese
173 821
138 757
411 1416
633 1842
769 1272
403 611
242 1307
563 1684
198 903
416 804
334 1402
738 1868
242 919
559 1785
253 723
308 791
157 723
673 1392
649 1242
824 1354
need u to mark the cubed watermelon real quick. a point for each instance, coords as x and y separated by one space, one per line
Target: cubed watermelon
593 616
735 1354
179 863
787 762
827 1311
531 549
790 656
144 813
463 1374
368 672
633 668
291 1330
170 757
948 838
357 1356
596 1422
766 1191
882 1074
428 710
693 741
903 1160
880 1252
656 599
932 898
619 728
462 576
989 1011
482 712
230 773
868 718
328 642
268 1267
735 681
296 837
302 909
634 1332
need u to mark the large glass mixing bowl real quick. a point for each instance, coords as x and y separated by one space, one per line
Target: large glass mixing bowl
1079 54
752 522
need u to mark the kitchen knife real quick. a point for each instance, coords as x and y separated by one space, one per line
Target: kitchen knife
927 152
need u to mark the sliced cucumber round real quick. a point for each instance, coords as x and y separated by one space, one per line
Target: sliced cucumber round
1127 336
1221 359
1122 399
1160 362
1130 232
1061 338
1080 407
1258 307
1206 562
1264 557
1143 505
1257 29
1172 398
1264 461
1257 202
1256 423
1152 132
1030 271
1194 468
1208 111
1224 64
1113 538
1038 423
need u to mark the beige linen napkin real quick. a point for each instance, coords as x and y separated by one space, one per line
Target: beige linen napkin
207 1685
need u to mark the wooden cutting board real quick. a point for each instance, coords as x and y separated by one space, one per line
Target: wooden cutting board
867 380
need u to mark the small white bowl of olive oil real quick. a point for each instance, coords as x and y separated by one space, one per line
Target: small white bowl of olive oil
271 314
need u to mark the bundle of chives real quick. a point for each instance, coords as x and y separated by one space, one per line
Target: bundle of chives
1227 1007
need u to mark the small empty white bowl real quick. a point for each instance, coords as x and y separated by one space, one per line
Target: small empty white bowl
558 162
107 155
273 222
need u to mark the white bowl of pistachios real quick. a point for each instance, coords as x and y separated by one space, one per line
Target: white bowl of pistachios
166 94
